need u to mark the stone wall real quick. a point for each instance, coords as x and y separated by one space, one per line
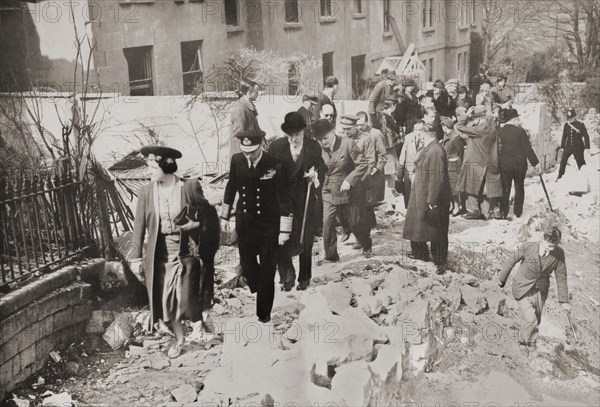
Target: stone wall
40 317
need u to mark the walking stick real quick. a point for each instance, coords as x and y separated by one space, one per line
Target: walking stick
546 192
572 326
305 213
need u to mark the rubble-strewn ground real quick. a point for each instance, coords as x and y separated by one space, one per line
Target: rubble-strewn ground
381 331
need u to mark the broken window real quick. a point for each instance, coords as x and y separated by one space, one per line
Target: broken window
231 12
191 62
292 14
139 63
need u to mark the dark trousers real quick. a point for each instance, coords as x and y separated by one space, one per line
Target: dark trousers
439 251
578 153
260 276
407 187
355 217
285 265
370 218
508 176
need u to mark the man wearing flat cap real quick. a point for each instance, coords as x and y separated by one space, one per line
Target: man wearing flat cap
514 151
479 176
342 188
263 216
303 173
382 91
575 141
310 102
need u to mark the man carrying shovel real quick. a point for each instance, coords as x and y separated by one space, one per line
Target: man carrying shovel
532 281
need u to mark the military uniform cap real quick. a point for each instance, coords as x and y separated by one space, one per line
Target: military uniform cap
250 140
571 113
348 121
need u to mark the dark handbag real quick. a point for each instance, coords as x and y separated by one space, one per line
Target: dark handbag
435 216
399 184
188 211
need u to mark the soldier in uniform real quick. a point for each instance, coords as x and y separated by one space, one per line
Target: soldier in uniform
263 216
342 188
575 141
302 162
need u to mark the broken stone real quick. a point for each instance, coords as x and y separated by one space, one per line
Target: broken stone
235 303
137 351
320 375
352 385
414 321
361 287
454 297
468 279
113 275
218 309
118 332
386 375
338 297
72 368
99 321
424 284
184 394
474 299
55 356
418 357
159 363
497 303
58 400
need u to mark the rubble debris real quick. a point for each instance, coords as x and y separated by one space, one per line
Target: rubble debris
59 400
72 368
118 332
98 322
474 299
338 297
55 356
184 394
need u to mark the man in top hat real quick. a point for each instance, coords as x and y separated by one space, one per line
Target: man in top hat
310 102
575 141
380 93
479 176
302 164
408 111
514 151
243 114
375 182
342 188
263 215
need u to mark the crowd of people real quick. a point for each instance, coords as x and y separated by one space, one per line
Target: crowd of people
450 151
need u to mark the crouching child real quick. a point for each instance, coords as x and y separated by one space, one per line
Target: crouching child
532 281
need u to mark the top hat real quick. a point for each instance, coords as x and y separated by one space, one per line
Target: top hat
293 123
250 140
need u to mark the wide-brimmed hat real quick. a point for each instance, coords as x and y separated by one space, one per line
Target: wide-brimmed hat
293 123
160 152
250 140
321 128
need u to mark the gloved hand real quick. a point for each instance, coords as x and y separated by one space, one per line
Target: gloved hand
537 169
345 186
283 238
313 177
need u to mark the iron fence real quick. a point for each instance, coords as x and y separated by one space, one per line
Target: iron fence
44 222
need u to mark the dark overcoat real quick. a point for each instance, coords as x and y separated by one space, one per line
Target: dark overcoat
481 158
454 145
147 222
297 185
262 198
346 164
430 186
376 183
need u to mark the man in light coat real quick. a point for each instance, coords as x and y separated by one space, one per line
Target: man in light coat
479 176
406 161
244 116
380 93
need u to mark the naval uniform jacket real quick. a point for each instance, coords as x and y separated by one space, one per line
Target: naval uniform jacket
346 163
575 139
297 185
261 198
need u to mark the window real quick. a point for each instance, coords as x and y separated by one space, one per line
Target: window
293 79
430 69
139 64
292 14
386 13
359 85
427 13
231 12
464 12
327 64
191 62
326 8
472 11
358 7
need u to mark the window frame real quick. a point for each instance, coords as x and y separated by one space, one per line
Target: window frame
148 61
227 14
325 6
197 60
386 12
286 6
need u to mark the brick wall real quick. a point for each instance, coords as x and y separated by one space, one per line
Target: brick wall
43 316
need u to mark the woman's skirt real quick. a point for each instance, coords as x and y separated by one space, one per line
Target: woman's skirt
176 282
454 167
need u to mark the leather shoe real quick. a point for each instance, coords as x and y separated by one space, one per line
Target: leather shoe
287 287
264 320
345 237
441 269
356 246
473 216
303 285
333 259
368 254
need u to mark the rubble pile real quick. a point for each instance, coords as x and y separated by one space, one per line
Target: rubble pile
386 324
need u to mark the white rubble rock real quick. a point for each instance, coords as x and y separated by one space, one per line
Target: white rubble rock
338 297
184 394
352 384
386 375
414 321
474 299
